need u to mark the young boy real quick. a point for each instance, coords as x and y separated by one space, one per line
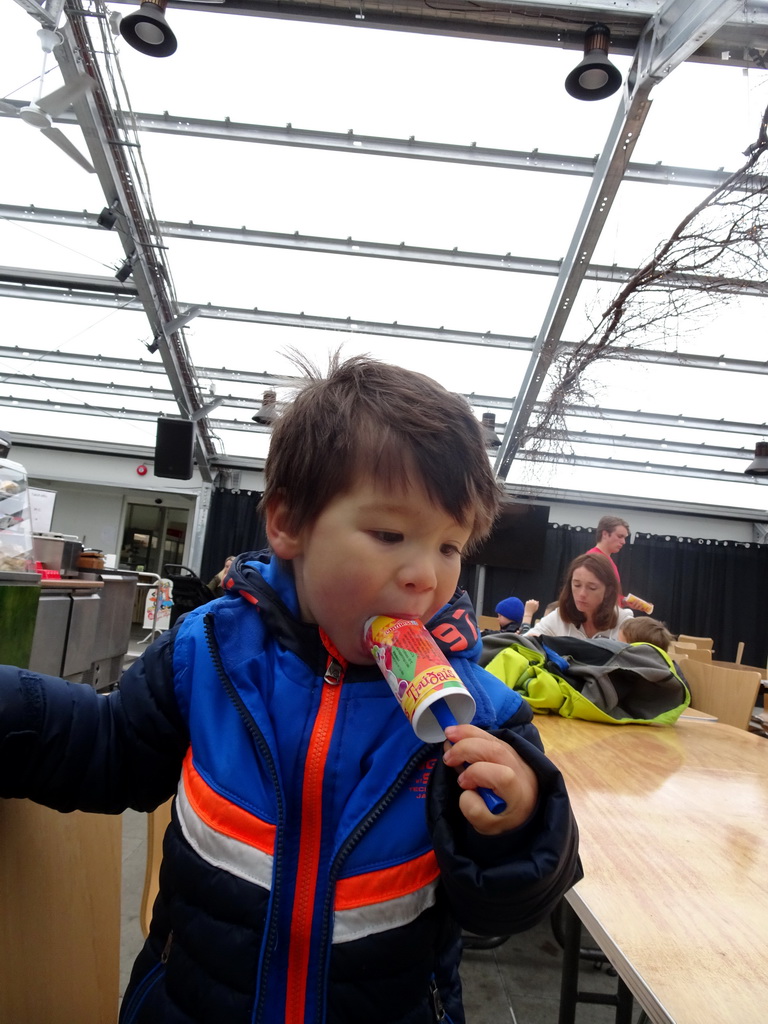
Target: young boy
644 629
321 860
514 616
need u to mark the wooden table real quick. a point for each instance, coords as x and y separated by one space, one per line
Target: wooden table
60 920
674 843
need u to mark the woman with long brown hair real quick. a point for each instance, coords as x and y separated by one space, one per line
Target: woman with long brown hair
588 603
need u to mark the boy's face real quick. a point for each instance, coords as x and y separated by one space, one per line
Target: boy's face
615 540
372 551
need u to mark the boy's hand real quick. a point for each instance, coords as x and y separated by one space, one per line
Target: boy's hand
484 760
529 610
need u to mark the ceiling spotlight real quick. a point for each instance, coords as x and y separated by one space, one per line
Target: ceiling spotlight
488 424
595 78
147 31
267 413
759 465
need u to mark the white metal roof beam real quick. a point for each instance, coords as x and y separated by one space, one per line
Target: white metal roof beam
248 404
409 253
571 460
656 444
346 325
669 37
373 145
648 467
272 380
525 492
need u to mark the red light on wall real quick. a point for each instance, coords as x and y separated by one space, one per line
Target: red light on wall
141 470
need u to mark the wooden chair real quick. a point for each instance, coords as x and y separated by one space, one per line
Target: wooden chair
730 694
677 650
699 654
157 822
676 647
702 642
488 621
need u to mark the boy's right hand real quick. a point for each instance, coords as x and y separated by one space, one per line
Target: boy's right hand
485 761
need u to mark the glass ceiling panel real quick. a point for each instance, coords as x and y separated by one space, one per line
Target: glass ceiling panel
369 288
341 195
664 388
398 85
642 216
39 246
703 116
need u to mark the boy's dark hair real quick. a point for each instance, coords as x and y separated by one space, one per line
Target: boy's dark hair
608 524
643 629
369 418
600 566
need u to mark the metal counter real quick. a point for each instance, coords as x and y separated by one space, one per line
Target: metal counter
83 627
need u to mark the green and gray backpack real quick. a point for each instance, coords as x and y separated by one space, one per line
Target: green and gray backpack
600 680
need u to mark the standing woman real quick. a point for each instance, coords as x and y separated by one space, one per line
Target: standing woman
589 602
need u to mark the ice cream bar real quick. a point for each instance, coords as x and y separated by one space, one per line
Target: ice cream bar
640 604
418 674
428 690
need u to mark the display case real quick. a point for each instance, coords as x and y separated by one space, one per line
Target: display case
15 519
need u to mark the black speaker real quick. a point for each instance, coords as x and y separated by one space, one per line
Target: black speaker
174 449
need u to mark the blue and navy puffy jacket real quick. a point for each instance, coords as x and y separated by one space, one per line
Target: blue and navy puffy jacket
317 869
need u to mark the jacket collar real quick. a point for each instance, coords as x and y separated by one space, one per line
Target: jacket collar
262 580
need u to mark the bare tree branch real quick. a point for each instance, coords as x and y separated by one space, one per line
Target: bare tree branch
718 250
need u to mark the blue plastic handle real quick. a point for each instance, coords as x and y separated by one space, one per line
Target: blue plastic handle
445 717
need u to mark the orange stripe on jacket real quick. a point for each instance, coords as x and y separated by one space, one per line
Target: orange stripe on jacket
224 816
309 853
387 884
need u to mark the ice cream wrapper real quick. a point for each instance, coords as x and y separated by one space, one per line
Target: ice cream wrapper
418 674
641 604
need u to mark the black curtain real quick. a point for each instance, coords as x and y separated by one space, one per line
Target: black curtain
561 546
234 525
705 587
698 586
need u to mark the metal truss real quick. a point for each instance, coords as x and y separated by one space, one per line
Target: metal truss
159 395
560 458
414 149
660 37
555 23
409 253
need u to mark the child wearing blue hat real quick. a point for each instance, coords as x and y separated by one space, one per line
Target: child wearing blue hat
514 616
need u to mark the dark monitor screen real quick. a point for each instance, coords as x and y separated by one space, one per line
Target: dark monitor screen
517 540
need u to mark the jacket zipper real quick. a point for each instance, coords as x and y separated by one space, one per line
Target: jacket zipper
305 889
150 979
264 750
354 837
437 1003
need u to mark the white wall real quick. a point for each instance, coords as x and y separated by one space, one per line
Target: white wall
662 523
92 492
